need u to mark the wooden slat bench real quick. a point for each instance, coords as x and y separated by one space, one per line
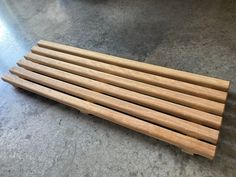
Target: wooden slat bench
178 107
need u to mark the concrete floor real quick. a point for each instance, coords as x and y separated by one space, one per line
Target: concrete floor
39 137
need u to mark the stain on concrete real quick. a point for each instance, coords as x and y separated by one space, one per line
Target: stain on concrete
28 137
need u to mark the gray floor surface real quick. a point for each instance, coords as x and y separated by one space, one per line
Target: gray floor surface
39 137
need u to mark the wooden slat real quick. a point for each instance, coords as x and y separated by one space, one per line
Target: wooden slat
187 143
172 84
145 100
173 96
189 128
181 108
153 69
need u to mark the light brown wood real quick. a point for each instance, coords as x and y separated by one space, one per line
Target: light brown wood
171 84
180 140
148 68
186 127
173 96
145 100
181 110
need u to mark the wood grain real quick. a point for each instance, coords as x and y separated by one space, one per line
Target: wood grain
166 94
172 84
148 68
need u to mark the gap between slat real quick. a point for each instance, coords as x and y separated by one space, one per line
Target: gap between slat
140 66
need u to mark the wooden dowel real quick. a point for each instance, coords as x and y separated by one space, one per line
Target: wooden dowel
189 128
145 100
171 84
173 96
153 69
182 141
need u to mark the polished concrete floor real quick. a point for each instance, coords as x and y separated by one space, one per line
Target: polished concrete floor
39 137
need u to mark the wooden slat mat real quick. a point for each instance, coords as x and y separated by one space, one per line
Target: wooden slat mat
180 108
